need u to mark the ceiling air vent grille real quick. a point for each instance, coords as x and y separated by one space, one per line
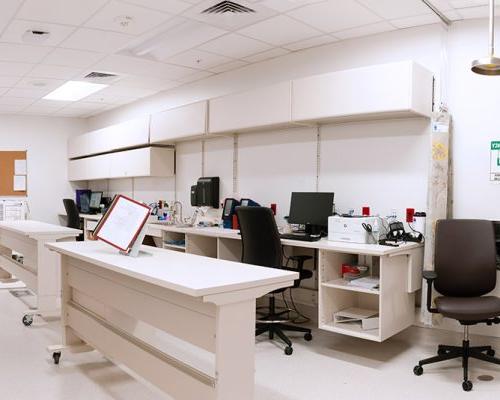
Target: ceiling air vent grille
227 7
100 75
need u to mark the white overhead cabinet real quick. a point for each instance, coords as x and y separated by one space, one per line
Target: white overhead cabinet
185 122
252 110
128 134
401 89
147 161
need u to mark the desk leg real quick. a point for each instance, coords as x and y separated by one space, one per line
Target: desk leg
235 351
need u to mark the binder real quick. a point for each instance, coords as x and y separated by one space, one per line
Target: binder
123 224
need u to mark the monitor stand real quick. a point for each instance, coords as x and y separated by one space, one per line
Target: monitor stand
315 230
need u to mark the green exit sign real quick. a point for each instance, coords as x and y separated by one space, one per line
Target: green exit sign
495 145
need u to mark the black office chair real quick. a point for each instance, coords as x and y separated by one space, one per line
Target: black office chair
465 270
73 216
262 246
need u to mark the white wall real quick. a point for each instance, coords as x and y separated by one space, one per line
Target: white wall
45 140
274 163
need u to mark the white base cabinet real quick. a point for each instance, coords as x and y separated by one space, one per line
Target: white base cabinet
147 161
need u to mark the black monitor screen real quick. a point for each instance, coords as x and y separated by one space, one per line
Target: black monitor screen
310 208
84 203
95 200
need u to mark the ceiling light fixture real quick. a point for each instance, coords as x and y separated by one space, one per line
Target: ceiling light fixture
74 91
488 65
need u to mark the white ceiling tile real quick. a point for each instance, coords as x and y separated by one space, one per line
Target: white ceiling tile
27 93
477 12
17 28
22 53
198 59
145 82
86 105
392 9
142 19
112 99
196 76
266 55
335 15
229 66
97 40
3 90
15 69
467 3
9 9
366 30
8 81
71 113
235 46
178 35
37 108
279 30
53 71
39 83
16 101
169 6
122 91
68 12
230 21
10 109
136 66
313 42
44 103
452 15
287 5
409 22
72 58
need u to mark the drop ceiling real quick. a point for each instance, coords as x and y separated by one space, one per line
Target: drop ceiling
155 45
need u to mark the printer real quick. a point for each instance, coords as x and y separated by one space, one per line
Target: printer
364 230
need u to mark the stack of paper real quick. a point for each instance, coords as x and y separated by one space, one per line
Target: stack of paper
367 282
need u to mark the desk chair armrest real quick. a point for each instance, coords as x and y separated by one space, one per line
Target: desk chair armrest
430 277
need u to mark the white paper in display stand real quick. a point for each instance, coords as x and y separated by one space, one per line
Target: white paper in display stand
124 225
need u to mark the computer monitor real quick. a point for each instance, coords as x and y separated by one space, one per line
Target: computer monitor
311 209
84 203
95 200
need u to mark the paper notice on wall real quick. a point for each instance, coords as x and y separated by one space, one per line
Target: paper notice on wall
20 167
19 183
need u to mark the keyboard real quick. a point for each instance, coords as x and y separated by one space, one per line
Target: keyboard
304 237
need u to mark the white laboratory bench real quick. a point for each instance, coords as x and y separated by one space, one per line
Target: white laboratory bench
40 268
398 268
205 303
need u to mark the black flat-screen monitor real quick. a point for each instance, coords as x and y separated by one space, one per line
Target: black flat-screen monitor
311 208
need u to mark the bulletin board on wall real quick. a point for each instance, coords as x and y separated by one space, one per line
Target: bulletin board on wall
13 173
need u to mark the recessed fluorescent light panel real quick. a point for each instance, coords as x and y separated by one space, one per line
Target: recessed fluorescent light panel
74 91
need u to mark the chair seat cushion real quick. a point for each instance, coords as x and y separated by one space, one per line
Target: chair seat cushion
469 308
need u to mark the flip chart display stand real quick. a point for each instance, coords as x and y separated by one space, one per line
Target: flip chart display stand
124 225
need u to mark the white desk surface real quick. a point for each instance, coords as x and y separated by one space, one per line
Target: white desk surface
90 217
185 273
35 228
323 244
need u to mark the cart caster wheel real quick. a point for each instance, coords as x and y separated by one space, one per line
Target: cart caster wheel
490 353
288 350
28 320
467 386
418 370
308 337
56 356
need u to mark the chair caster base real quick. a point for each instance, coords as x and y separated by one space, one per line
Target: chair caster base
467 386
288 350
56 356
418 370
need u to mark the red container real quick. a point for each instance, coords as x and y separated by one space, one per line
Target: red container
366 211
235 222
410 213
273 208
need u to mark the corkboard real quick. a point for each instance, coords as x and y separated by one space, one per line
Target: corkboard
7 161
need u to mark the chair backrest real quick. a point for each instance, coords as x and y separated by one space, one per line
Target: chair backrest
260 237
72 213
465 257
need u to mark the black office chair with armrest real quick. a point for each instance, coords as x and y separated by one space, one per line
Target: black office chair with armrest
73 216
262 246
465 270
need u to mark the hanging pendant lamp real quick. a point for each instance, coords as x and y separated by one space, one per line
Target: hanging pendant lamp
488 65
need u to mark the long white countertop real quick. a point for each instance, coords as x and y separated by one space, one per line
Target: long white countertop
185 273
35 228
323 244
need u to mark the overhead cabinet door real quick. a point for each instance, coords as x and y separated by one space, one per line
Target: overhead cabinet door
125 135
392 90
252 110
179 123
